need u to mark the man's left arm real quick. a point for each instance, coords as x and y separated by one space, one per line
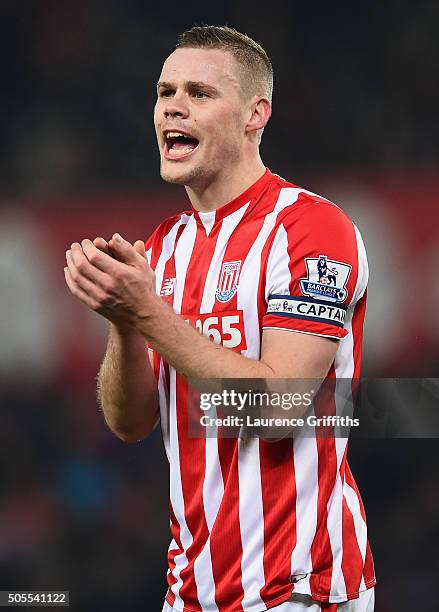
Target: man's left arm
284 354
129 295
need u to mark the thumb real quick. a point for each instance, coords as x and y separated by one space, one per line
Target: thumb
123 249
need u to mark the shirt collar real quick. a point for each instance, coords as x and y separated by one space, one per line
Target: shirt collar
250 194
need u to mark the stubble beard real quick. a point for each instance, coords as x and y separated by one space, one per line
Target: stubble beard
202 174
186 177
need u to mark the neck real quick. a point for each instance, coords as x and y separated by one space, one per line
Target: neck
225 187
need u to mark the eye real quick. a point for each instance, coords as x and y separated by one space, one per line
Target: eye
165 93
200 94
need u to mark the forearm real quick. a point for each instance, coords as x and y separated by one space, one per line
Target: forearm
127 387
192 354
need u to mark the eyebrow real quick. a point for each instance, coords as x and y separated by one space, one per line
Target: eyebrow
188 85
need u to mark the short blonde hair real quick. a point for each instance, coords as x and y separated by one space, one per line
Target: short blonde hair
257 70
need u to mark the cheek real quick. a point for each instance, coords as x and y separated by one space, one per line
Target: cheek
157 114
226 130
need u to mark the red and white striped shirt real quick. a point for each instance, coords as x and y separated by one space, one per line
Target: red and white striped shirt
253 521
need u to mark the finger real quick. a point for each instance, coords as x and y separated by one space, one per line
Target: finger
139 246
92 253
98 260
80 265
92 289
102 245
78 292
124 250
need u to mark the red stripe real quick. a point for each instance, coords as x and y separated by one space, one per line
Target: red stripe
225 542
350 254
357 333
192 451
262 304
198 268
368 571
192 475
279 504
321 552
312 327
352 561
155 241
169 270
167 379
357 328
175 533
156 364
226 545
329 607
237 250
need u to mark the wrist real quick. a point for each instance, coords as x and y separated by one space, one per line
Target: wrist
122 329
151 315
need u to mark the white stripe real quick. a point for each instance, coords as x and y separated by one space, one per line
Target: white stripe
213 488
250 271
307 484
183 253
335 532
177 499
204 578
298 331
347 352
278 271
363 268
305 449
297 603
164 407
251 514
344 368
360 526
213 281
168 246
208 220
251 521
344 371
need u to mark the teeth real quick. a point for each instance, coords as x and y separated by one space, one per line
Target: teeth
176 135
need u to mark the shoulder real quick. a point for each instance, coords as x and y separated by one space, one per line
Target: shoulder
310 211
308 225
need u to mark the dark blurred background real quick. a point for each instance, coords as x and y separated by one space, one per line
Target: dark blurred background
355 118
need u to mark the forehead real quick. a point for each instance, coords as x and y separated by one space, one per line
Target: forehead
211 66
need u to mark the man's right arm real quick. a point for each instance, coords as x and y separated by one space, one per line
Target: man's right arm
127 387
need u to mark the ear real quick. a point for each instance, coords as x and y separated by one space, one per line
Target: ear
260 114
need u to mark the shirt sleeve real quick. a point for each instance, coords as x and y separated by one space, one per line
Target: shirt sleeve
149 243
316 271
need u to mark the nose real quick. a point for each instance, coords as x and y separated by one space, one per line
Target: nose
176 107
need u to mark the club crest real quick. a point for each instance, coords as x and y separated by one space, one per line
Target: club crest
326 279
228 281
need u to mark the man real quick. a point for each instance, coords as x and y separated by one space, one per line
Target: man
255 525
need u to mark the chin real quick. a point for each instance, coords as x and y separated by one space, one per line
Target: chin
178 175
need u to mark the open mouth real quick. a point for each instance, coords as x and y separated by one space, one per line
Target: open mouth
179 145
